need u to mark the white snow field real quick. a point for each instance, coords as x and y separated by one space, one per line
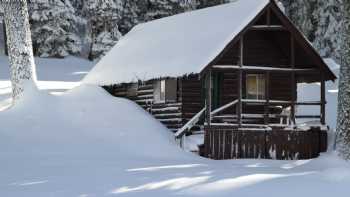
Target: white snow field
84 143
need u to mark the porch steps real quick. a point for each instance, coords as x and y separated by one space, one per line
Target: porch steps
168 114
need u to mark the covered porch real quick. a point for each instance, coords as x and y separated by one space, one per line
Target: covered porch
261 119
251 112
254 125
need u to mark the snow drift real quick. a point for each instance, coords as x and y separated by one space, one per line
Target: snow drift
84 121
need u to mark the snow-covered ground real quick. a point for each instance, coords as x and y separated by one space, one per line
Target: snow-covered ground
86 143
54 75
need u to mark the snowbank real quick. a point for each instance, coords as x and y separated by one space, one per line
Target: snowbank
86 143
85 120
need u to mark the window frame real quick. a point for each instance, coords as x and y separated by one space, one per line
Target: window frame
260 93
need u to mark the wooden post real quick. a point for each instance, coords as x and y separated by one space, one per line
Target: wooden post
267 97
5 39
323 99
293 80
208 96
268 17
240 73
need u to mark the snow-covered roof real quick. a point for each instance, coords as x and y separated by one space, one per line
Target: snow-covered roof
332 65
176 45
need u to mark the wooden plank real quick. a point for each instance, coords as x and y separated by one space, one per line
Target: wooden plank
275 69
268 28
268 17
240 86
323 99
267 97
208 97
293 81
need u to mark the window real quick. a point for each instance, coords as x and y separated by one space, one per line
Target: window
165 91
162 90
132 90
255 86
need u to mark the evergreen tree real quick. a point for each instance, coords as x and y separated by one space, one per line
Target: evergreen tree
102 17
54 28
301 13
320 22
343 122
161 8
209 3
131 14
19 46
327 24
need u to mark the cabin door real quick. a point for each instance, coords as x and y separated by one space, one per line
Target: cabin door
217 79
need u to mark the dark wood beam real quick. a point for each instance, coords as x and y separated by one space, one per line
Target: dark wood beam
240 86
293 80
268 17
267 97
208 85
323 99
308 116
268 28
281 69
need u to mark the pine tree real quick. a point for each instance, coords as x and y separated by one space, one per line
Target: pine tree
320 22
301 13
131 14
209 3
103 17
54 28
161 8
328 19
19 46
343 122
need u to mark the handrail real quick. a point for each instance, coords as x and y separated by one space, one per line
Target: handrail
189 124
224 107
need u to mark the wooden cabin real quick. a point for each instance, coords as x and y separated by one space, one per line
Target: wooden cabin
231 71
171 100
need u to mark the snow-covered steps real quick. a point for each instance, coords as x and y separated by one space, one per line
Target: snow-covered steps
169 114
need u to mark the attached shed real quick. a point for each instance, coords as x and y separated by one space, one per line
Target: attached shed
230 70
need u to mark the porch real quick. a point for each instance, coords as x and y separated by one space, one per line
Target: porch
258 126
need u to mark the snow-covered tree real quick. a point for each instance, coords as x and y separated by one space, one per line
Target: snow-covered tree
131 14
102 17
327 24
161 8
209 3
20 48
301 13
319 21
54 28
343 122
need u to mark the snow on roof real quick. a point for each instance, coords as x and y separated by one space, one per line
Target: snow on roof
331 64
176 45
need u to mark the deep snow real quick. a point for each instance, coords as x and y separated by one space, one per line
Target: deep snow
86 143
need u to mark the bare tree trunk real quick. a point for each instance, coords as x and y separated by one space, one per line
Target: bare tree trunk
343 122
19 44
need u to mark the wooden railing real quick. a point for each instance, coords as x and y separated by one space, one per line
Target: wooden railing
285 118
191 123
220 109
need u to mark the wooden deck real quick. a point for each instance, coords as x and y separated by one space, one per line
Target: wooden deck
230 142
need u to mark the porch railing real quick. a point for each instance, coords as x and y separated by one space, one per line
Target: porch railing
284 117
179 135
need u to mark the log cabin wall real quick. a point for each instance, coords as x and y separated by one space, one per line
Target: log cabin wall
191 96
173 114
